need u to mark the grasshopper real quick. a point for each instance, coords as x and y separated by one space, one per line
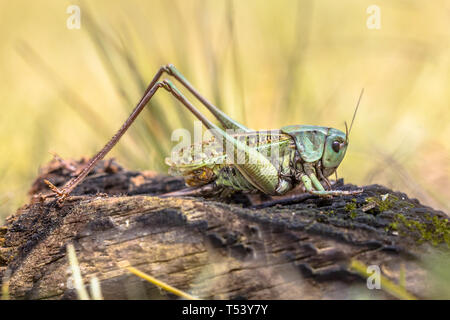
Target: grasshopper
306 155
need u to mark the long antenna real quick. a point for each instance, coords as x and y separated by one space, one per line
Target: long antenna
356 110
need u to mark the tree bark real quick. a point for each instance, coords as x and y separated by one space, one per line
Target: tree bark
211 248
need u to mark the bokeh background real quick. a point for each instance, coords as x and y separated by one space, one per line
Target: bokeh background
266 63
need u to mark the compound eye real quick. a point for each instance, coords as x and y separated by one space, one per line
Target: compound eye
336 146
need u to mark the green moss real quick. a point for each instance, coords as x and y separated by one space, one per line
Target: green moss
351 208
436 230
385 204
393 226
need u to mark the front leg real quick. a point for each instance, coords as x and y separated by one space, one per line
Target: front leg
321 176
313 185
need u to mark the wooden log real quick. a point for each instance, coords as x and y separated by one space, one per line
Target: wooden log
211 248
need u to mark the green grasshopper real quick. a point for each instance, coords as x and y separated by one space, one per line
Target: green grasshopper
306 155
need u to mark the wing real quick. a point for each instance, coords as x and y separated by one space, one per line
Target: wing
210 154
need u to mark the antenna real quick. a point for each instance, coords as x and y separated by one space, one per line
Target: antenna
356 110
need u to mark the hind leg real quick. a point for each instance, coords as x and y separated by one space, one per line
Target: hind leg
205 190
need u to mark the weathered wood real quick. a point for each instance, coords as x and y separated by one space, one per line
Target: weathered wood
207 247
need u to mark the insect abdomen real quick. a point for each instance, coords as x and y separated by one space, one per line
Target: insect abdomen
199 169
229 176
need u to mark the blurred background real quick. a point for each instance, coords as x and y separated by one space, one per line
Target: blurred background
265 63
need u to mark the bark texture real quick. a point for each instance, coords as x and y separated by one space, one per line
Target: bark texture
212 248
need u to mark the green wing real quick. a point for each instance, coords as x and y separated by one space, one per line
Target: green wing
211 154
